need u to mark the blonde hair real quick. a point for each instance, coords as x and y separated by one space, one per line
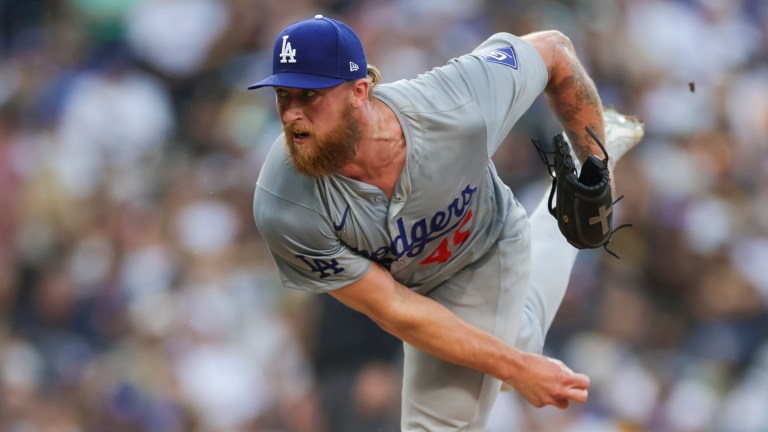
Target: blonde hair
374 78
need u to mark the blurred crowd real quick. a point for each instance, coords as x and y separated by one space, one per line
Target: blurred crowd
136 294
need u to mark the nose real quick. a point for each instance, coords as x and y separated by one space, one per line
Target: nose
291 115
291 111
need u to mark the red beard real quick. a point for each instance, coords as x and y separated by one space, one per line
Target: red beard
328 152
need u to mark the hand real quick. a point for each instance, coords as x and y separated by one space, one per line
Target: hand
545 381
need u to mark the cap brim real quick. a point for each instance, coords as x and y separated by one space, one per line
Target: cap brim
297 80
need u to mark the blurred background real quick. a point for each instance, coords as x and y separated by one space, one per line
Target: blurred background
137 295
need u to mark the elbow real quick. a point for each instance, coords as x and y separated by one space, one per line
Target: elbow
394 316
556 42
559 40
552 44
392 320
394 327
563 55
557 51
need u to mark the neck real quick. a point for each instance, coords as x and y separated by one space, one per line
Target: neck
381 152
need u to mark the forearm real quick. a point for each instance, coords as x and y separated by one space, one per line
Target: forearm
431 327
570 92
434 329
575 101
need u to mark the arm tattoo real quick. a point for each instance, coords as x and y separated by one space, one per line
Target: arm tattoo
572 96
581 91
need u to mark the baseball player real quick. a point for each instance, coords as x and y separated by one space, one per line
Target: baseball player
385 197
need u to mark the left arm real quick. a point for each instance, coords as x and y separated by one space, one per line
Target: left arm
570 92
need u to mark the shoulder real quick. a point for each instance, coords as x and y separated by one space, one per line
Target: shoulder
440 89
499 52
280 179
282 194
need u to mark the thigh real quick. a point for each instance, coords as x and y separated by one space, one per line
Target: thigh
439 396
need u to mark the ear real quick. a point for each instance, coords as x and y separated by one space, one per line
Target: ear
360 89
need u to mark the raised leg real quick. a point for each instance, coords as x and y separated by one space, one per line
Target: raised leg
552 258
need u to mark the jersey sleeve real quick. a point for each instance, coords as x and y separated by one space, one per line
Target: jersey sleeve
503 76
308 254
300 236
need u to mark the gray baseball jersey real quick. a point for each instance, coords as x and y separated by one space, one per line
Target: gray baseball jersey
448 206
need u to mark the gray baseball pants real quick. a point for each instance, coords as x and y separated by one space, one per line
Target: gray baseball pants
514 292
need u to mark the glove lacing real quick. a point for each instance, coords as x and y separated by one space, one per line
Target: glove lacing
544 155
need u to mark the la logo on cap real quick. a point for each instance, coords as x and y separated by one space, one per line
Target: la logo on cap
288 54
331 53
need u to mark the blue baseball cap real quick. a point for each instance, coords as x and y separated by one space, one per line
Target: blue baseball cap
316 53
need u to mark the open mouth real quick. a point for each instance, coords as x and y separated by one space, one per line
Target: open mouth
300 135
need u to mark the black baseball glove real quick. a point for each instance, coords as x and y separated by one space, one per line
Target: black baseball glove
584 203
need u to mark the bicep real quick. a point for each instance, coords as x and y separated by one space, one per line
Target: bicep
393 306
377 294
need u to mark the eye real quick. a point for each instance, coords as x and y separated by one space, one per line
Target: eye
310 93
281 94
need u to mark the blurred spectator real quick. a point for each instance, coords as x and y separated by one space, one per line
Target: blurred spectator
174 36
357 366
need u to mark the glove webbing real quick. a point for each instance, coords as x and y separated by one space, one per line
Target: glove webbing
544 155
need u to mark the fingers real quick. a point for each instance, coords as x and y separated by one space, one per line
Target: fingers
553 383
563 399
571 394
579 395
580 381
577 390
574 380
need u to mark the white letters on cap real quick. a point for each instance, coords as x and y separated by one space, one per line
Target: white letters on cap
288 55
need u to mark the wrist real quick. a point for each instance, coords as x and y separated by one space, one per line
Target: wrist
515 365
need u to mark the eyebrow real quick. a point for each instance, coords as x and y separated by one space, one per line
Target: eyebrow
277 89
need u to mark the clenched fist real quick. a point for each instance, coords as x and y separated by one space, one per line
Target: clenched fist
545 381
